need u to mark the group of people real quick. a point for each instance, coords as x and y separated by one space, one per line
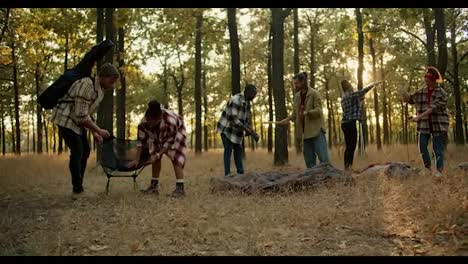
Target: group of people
432 119
162 131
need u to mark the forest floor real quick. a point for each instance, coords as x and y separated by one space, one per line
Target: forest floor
377 216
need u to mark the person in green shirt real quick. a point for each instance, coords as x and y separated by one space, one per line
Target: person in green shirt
308 114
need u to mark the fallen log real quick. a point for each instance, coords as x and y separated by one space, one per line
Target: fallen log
276 181
389 169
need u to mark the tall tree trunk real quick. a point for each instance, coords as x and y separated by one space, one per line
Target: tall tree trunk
376 98
313 32
16 88
191 134
215 137
33 133
235 54
65 66
165 84
335 140
390 113
39 127
179 84
297 140
3 135
402 125
100 25
205 109
105 115
281 142
296 41
27 134
407 138
46 135
254 124
270 95
179 101
371 131
329 111
262 131
430 37
121 93
359 76
441 40
13 142
386 137
360 48
54 147
65 63
198 76
459 138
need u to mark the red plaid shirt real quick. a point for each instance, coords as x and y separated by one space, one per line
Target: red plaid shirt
169 135
437 122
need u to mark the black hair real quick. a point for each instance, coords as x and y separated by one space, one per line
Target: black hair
302 76
154 109
346 86
250 88
433 72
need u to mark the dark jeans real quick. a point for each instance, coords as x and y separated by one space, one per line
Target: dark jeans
79 153
228 147
350 134
437 145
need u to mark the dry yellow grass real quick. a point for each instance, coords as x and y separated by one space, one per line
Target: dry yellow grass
377 216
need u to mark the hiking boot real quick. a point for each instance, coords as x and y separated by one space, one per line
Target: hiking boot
78 190
177 193
151 190
437 174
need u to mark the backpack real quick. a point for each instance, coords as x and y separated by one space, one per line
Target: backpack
49 98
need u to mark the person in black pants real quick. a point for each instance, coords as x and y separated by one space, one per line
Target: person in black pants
351 104
73 113
79 154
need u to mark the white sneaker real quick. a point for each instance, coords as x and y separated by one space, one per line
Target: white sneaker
437 174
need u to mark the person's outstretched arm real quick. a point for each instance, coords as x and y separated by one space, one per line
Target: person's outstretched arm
364 90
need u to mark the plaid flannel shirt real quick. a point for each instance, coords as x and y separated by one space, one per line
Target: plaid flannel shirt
351 104
235 118
169 136
81 101
439 118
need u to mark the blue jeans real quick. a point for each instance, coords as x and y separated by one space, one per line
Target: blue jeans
228 147
437 146
313 147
